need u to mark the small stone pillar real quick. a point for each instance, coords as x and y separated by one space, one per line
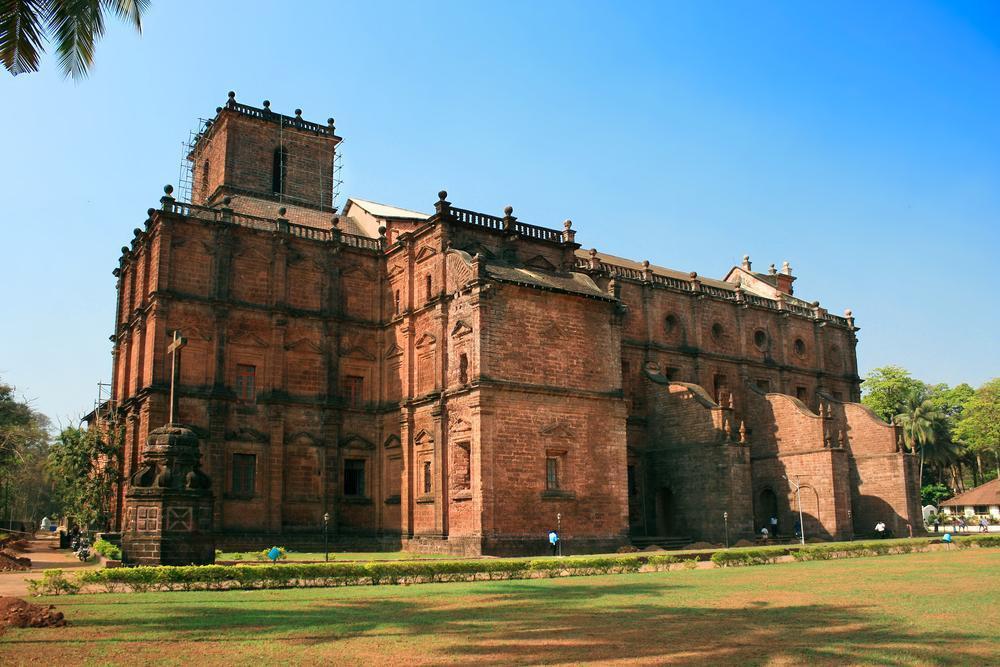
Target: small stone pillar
168 506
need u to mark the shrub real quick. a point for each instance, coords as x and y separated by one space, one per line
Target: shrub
53 582
108 550
266 554
744 557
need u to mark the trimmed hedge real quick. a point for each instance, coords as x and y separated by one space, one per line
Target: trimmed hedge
219 577
746 557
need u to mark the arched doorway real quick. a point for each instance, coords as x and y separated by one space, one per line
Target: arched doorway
767 506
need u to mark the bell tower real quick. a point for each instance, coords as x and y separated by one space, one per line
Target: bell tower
258 153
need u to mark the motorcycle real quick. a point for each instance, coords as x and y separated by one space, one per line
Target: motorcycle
83 552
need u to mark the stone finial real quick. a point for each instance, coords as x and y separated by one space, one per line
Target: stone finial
330 124
232 95
167 200
442 206
508 219
728 427
298 114
743 432
693 275
335 220
746 262
282 211
381 231
227 200
848 313
218 109
732 403
267 104
645 264
771 271
786 268
841 439
595 263
569 234
829 411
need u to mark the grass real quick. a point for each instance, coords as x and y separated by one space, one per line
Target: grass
252 556
915 609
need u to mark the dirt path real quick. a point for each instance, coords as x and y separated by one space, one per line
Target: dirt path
45 555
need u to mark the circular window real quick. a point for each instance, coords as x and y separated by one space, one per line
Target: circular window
760 339
800 347
717 331
670 324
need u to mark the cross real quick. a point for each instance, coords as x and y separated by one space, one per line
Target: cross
175 351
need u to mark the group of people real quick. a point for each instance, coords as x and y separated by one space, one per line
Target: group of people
771 529
962 525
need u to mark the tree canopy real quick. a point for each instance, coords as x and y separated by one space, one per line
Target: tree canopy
74 26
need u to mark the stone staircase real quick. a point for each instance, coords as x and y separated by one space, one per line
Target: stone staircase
663 541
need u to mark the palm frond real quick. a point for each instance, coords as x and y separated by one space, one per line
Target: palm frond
21 32
130 11
76 26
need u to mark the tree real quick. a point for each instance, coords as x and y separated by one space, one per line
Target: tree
933 494
74 26
24 441
84 470
919 423
889 389
979 427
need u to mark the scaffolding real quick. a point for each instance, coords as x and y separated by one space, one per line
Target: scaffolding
299 167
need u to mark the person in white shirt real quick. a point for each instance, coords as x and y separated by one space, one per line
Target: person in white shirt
880 529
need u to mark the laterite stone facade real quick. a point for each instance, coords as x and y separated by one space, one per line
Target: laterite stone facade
455 381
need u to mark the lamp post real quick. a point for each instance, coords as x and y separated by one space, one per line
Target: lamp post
725 517
326 536
798 499
559 533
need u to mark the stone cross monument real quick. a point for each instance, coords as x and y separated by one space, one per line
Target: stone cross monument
168 506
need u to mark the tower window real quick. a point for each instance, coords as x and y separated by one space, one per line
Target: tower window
427 476
463 369
279 171
800 347
429 288
397 302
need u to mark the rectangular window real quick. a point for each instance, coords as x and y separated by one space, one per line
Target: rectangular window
354 478
463 369
802 394
246 383
552 473
244 474
427 477
763 384
353 389
397 302
463 466
429 288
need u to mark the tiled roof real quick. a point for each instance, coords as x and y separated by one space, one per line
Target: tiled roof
985 494
386 211
300 215
659 270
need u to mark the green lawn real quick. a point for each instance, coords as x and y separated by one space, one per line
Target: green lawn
941 607
253 556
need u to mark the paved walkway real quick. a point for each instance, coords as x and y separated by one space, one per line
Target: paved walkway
45 555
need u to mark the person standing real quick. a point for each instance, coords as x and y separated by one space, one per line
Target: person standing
554 541
984 526
880 530
937 523
774 526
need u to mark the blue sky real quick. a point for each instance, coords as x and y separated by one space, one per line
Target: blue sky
858 141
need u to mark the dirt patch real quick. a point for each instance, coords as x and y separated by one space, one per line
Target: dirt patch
699 545
654 547
17 613
11 563
17 545
744 543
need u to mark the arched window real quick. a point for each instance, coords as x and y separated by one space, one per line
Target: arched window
279 170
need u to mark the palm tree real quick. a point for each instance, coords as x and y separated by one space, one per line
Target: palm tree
73 25
920 425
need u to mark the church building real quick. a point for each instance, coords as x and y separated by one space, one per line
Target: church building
461 382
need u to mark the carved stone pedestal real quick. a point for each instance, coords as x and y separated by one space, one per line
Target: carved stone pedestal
168 506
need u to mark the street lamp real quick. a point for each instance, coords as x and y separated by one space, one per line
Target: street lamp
725 517
798 499
326 536
559 532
